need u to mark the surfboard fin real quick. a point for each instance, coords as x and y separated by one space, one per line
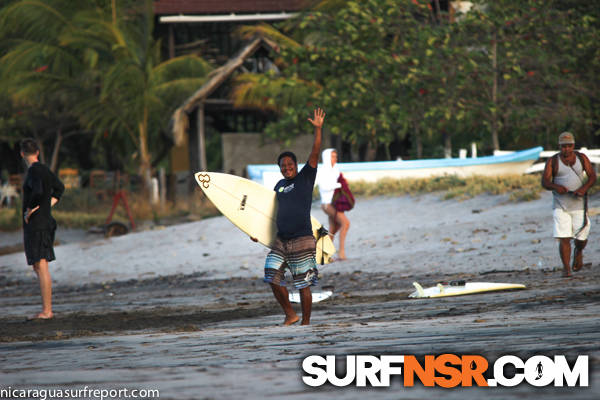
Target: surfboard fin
441 287
420 291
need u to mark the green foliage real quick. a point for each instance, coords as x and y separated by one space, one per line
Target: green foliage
507 73
11 218
88 66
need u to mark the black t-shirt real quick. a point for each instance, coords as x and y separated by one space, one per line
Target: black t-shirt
294 197
39 187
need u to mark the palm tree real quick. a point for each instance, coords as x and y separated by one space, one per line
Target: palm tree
101 68
43 78
138 92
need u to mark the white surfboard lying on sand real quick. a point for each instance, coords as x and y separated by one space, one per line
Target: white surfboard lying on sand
253 208
316 296
459 288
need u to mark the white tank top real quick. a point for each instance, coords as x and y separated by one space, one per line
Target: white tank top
571 177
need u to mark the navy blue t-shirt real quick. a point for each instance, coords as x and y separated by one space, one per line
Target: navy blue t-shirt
294 197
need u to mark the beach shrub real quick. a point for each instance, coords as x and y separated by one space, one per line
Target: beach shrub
521 187
86 208
10 218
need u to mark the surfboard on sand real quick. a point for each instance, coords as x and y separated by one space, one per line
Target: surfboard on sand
253 208
459 288
316 296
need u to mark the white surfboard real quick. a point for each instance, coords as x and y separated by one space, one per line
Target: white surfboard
316 296
253 208
461 288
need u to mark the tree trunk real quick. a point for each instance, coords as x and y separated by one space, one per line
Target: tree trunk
371 152
145 162
114 12
447 145
57 142
438 11
355 153
40 144
201 137
171 41
495 141
419 142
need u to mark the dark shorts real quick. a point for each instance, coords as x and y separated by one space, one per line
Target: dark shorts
39 245
297 255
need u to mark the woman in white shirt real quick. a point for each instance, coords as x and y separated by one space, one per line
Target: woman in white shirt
328 182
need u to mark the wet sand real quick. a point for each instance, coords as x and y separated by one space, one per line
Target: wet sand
197 328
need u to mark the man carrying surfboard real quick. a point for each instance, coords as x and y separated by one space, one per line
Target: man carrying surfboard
564 175
294 247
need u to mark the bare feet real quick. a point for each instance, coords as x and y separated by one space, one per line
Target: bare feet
42 315
567 273
577 260
291 320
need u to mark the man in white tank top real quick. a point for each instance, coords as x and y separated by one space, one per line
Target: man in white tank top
565 174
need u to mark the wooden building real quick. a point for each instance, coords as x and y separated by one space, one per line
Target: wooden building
208 120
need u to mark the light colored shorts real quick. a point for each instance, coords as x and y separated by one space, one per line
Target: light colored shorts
567 224
297 255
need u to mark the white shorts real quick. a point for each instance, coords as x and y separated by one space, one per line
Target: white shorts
567 224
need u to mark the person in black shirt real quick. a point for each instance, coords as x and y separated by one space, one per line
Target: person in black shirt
294 247
41 190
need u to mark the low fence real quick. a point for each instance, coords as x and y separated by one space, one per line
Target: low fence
90 190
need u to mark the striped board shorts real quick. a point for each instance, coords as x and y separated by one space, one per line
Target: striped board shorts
297 255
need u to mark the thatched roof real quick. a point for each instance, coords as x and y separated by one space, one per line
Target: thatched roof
180 118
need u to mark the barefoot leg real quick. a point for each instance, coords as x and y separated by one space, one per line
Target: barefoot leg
564 248
282 296
306 302
43 273
344 223
330 211
578 255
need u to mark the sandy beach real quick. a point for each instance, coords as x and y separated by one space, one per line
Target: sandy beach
182 309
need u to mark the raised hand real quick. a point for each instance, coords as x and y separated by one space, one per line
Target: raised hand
318 119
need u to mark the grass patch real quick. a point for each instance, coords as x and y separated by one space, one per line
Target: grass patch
10 218
83 209
520 187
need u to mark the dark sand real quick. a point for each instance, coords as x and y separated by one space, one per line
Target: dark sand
199 335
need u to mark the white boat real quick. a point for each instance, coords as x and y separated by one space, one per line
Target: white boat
592 154
515 163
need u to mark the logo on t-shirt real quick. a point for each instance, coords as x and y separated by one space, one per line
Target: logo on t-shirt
286 189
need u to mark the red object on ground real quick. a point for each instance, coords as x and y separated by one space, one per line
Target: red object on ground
120 195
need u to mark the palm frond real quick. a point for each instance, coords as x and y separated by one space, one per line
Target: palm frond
189 66
271 94
178 88
35 19
330 5
247 32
